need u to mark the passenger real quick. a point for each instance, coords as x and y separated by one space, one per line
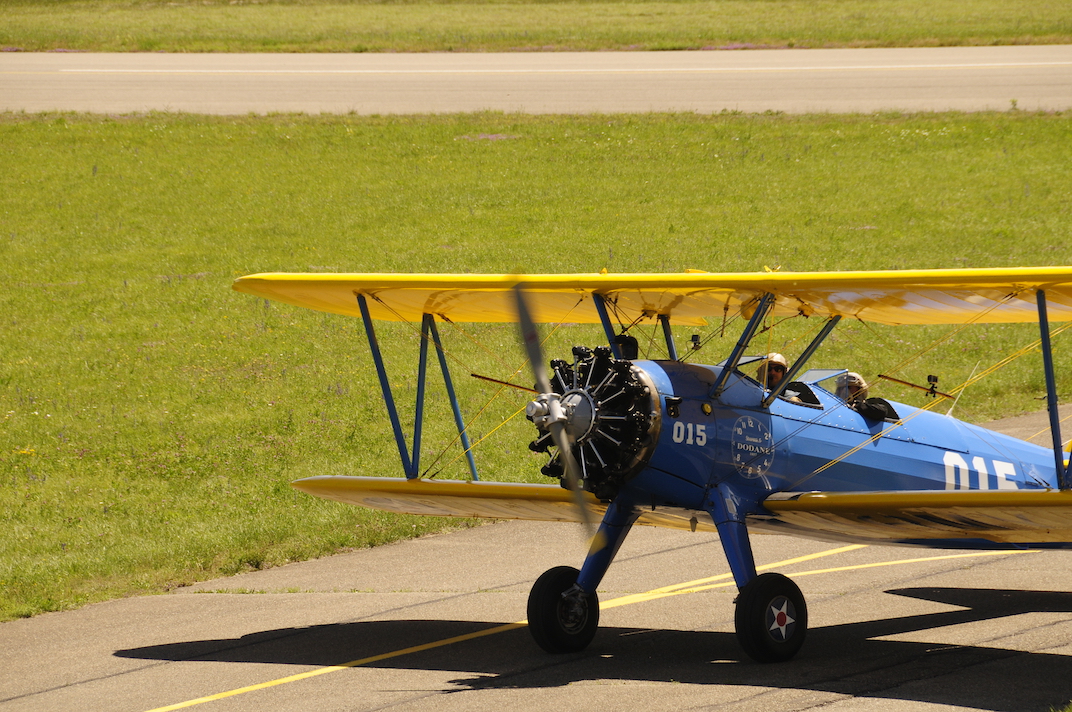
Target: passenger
853 389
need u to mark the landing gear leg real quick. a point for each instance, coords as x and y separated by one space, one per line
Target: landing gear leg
771 617
563 606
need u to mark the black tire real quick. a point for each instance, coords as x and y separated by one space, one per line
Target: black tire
771 618
561 624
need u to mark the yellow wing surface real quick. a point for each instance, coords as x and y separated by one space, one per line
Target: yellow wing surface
999 517
885 297
479 500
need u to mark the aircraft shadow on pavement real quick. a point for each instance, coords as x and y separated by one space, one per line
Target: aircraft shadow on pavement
851 659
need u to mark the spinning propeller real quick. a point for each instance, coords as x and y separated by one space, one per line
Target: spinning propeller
547 411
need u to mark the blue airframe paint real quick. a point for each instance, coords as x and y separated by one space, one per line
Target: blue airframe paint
385 386
455 406
914 455
726 459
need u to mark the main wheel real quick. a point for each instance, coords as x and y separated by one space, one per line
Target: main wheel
562 618
771 619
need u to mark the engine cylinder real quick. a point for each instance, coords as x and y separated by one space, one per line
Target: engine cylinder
612 417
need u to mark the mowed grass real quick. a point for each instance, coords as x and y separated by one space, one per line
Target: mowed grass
513 25
151 418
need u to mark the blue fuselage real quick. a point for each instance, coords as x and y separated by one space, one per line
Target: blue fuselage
734 442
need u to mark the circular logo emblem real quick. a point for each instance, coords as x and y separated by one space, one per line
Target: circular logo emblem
751 447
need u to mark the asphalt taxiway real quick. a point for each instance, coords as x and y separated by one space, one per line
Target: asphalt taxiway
435 624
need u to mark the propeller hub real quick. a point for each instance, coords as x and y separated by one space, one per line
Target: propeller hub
581 413
537 410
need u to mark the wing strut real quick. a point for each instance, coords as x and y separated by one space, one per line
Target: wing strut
764 306
671 349
411 466
608 325
385 386
799 363
451 395
1064 481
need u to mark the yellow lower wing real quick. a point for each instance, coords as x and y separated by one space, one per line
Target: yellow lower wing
480 500
998 516
487 500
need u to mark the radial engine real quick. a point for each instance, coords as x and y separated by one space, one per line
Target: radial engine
612 418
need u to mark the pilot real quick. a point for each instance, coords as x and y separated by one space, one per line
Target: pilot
853 389
772 371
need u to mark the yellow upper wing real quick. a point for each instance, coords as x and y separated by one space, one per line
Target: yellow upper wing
885 297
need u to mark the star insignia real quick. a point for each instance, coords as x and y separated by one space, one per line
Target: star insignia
781 619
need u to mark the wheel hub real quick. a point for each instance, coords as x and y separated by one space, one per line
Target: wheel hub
573 610
781 619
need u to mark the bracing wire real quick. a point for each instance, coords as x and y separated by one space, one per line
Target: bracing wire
487 405
1033 346
952 332
472 445
476 342
459 362
479 413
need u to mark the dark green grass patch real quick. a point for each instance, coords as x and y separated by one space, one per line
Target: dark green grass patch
151 418
512 25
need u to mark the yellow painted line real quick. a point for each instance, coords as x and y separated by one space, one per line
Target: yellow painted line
700 584
695 586
797 574
916 561
344 666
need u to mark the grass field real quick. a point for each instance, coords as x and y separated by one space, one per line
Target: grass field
525 25
152 417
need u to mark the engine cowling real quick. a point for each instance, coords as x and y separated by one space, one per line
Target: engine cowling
612 417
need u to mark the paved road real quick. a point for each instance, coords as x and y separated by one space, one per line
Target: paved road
927 79
427 625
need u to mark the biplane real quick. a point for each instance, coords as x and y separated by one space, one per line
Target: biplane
670 443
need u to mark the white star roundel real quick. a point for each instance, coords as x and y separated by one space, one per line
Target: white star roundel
780 619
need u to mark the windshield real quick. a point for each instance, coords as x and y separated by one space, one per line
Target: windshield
817 375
